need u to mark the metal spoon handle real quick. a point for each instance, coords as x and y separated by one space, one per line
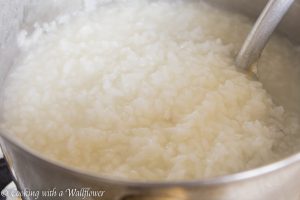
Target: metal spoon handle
261 32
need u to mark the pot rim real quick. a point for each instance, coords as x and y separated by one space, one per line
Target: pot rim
213 181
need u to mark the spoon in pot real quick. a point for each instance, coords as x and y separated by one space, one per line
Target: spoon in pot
261 33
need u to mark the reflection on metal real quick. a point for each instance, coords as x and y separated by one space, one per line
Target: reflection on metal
167 194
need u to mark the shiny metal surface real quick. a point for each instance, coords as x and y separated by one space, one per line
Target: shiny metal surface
278 181
261 32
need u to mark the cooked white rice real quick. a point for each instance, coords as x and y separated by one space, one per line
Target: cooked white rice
149 91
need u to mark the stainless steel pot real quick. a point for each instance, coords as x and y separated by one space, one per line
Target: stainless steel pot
33 172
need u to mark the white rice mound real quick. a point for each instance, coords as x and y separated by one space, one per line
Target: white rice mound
146 90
